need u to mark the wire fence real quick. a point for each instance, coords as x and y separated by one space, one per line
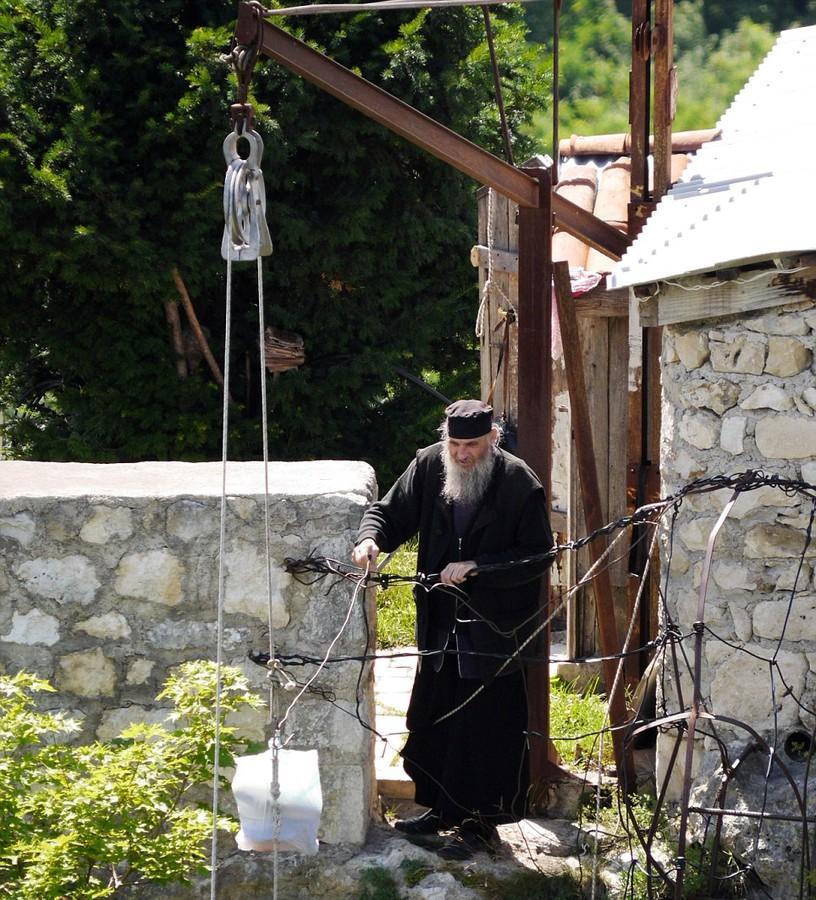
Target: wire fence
703 833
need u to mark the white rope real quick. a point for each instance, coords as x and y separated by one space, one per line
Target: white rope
219 641
490 284
486 287
245 236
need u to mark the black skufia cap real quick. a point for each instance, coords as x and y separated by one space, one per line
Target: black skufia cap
469 419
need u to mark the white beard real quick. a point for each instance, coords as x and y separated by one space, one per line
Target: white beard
467 485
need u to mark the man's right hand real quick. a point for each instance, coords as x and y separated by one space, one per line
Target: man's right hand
365 554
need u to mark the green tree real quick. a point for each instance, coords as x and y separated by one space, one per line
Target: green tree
595 54
721 15
85 821
111 173
712 70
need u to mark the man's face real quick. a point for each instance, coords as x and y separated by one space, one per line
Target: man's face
467 453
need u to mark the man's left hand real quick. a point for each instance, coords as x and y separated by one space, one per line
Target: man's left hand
456 573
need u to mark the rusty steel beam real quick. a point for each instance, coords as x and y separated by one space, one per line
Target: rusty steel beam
535 417
419 129
593 514
535 327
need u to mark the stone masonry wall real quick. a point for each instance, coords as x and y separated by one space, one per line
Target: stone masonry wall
109 577
738 394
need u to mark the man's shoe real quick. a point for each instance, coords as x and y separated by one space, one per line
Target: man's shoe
455 849
469 838
430 822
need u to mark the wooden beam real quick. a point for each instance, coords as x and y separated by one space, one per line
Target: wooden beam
708 296
601 303
593 516
639 92
419 129
502 260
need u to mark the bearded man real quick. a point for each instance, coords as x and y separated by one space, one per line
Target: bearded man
472 504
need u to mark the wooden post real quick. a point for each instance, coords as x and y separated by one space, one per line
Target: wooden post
665 87
639 91
593 515
664 100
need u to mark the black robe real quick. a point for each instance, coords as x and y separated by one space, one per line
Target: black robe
474 762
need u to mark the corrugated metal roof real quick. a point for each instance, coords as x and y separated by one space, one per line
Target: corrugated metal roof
746 197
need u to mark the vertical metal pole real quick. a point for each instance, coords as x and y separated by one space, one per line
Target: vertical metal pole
535 413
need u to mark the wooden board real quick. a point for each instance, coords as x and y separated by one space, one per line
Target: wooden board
705 297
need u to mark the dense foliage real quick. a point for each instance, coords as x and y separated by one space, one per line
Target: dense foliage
111 173
87 821
717 47
111 120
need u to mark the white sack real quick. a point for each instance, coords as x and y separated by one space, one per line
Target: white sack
300 801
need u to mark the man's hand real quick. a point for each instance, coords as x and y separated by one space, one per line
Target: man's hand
456 573
365 554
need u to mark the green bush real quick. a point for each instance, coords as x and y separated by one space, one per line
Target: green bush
84 821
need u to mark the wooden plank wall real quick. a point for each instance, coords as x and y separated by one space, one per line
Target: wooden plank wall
505 239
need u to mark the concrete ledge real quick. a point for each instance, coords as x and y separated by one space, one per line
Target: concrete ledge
173 479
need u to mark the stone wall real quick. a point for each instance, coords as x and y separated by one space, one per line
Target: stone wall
109 577
738 394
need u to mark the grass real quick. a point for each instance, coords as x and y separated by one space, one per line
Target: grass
579 716
378 883
395 606
526 885
414 871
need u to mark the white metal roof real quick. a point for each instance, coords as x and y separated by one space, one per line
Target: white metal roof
749 195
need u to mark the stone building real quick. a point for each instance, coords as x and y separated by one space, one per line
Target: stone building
727 266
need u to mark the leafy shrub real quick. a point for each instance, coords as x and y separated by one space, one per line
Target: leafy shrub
84 821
